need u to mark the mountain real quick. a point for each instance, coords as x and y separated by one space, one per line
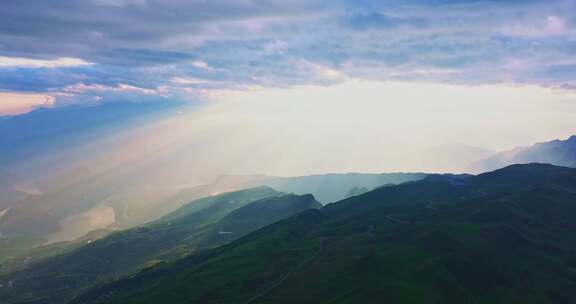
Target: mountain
556 152
329 188
82 200
196 227
10 262
505 236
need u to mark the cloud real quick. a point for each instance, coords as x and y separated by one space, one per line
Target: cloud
205 46
377 20
121 3
547 27
201 65
187 81
97 93
39 63
81 88
19 103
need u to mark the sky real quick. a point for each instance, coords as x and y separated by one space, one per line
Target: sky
407 75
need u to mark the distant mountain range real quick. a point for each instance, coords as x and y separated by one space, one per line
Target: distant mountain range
329 188
499 237
556 152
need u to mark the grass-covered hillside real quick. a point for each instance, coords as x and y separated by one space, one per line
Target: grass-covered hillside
507 236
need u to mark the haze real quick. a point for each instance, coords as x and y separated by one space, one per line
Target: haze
136 100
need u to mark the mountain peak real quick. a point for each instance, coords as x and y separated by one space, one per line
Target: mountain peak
556 152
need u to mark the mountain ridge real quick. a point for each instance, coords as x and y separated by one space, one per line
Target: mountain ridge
457 243
557 152
219 220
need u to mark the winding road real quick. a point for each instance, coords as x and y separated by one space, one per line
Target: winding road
562 188
368 232
397 220
287 275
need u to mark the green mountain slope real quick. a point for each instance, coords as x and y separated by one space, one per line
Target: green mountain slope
329 188
501 237
200 225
